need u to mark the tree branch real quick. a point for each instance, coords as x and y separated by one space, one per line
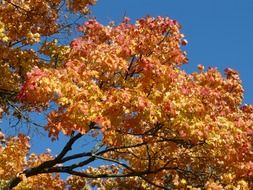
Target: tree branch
48 164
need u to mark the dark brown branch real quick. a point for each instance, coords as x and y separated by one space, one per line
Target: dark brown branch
48 164
129 67
76 156
52 166
18 7
68 146
131 172
106 175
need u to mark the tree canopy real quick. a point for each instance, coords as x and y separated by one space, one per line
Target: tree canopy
121 86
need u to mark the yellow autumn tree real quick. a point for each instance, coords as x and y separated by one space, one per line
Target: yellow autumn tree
149 124
29 30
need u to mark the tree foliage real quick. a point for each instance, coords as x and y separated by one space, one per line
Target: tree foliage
25 30
155 126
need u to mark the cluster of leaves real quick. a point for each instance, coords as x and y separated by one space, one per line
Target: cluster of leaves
25 27
14 160
173 129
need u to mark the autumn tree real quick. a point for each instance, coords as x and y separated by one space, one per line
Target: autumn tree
121 87
31 33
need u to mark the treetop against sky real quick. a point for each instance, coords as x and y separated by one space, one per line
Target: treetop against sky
117 99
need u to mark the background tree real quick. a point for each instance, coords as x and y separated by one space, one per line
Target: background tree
154 126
